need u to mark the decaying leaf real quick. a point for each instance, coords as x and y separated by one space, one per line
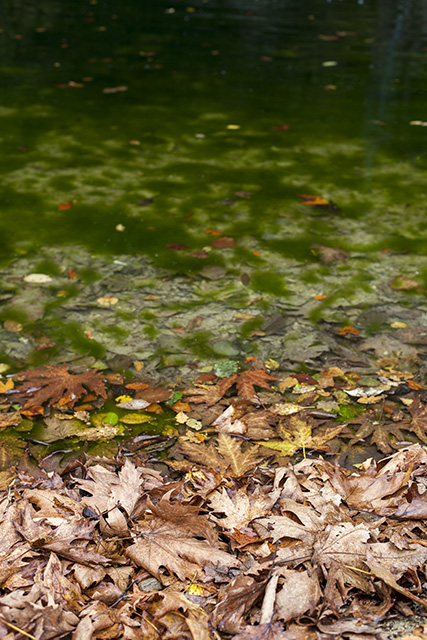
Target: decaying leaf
297 434
53 383
246 381
228 454
180 540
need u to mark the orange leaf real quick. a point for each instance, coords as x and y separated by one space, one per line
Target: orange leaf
34 411
345 330
181 406
213 232
137 386
320 297
312 200
414 385
64 205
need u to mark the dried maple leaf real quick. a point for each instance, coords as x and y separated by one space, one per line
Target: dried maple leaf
228 454
54 383
246 381
418 424
241 508
383 435
112 493
176 537
298 435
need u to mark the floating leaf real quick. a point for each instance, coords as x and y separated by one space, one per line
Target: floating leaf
107 301
37 278
223 243
346 330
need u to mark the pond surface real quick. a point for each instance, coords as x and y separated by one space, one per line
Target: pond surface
152 133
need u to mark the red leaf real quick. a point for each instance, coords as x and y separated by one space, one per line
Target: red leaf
176 246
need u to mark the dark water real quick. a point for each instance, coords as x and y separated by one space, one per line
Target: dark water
321 94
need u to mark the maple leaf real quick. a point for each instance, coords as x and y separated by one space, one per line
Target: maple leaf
418 424
208 394
53 383
171 538
299 436
246 381
228 454
110 492
241 508
380 433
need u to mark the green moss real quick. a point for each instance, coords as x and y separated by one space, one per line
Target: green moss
249 326
311 276
269 282
88 275
349 411
151 331
13 313
147 315
199 343
114 330
49 267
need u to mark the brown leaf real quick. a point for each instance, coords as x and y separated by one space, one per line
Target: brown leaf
207 394
110 492
246 381
9 419
300 594
241 508
53 383
229 455
223 243
382 433
418 424
173 538
235 600
329 255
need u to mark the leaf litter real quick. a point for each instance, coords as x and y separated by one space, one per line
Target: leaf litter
250 527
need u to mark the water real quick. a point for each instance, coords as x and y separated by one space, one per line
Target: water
135 135
190 70
147 132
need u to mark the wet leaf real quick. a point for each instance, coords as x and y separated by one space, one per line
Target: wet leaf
37 278
53 383
246 381
107 301
223 243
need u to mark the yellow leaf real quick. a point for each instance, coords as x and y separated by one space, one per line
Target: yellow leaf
198 590
124 398
107 301
6 386
271 364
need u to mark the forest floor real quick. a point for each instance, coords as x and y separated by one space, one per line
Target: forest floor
188 455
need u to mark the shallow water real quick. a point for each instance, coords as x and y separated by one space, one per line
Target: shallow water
148 133
136 137
182 71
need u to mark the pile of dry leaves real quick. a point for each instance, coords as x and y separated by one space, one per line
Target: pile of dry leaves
227 537
310 551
